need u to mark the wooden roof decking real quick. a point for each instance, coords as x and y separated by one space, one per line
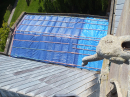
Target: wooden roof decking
32 78
118 10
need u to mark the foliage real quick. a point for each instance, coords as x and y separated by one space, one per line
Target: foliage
34 7
4 31
39 1
76 6
40 9
49 7
4 14
28 2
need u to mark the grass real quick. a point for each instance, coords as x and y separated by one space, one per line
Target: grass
22 6
6 16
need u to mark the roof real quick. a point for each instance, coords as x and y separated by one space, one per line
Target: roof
118 11
26 77
61 40
22 77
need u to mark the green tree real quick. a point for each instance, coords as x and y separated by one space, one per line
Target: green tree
48 5
4 31
28 2
77 6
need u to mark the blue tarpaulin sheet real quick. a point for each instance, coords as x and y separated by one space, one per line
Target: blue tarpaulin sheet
59 39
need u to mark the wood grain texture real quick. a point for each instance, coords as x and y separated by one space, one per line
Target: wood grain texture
21 77
120 72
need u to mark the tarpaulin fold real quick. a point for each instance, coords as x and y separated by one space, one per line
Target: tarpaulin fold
59 39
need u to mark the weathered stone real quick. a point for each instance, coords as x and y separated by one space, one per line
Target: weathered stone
113 48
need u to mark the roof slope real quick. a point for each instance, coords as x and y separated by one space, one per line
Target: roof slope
61 40
27 77
118 11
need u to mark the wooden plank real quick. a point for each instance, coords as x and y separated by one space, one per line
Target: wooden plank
118 12
31 73
28 81
55 76
111 17
116 24
3 56
119 6
115 30
89 90
117 18
95 93
68 81
45 88
120 1
63 77
84 87
28 74
9 63
123 28
14 62
17 68
19 81
32 88
25 64
24 77
23 86
53 79
27 70
73 80
6 75
12 73
32 78
69 89
79 84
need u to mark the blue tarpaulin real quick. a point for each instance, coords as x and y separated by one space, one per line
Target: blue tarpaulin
59 39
